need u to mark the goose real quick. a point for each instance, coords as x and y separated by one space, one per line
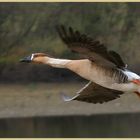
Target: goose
105 70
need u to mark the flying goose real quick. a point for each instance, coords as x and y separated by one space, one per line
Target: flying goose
107 73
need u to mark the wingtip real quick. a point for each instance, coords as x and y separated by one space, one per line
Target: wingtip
65 97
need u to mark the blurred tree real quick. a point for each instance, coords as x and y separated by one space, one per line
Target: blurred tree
30 27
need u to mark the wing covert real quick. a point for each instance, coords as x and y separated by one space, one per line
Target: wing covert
94 93
90 48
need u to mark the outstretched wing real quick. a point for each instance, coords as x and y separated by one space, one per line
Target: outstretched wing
90 48
94 93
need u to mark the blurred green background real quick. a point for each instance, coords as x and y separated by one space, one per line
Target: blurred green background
30 101
27 28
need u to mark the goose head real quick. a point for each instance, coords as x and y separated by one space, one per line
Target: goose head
36 58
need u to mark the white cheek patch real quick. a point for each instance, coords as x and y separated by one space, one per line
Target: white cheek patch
32 56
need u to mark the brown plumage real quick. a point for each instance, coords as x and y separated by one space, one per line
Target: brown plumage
104 68
94 93
90 48
98 53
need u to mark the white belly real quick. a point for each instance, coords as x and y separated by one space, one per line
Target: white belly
109 82
128 87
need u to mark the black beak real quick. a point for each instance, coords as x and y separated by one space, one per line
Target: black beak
26 59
